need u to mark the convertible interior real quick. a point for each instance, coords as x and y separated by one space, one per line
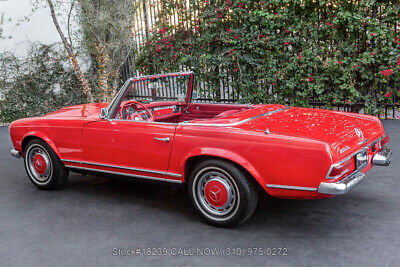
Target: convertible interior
175 112
168 98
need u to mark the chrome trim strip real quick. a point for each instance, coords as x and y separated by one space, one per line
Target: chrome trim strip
152 122
233 123
278 186
72 161
128 174
173 174
15 153
123 168
363 141
73 167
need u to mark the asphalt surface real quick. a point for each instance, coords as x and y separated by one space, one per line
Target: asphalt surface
85 223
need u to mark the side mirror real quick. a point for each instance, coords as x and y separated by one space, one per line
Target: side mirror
103 113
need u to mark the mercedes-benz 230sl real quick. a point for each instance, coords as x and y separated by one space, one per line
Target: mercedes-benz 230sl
222 153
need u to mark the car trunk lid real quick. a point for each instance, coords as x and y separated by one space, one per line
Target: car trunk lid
343 131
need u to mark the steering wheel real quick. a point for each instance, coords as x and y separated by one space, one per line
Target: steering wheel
135 114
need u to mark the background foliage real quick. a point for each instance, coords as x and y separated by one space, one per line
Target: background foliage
333 52
297 52
106 38
43 82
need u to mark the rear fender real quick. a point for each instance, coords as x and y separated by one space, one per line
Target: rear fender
225 154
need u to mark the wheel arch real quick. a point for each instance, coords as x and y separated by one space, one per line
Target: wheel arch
41 136
211 153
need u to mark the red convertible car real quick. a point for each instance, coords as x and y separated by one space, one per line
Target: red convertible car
223 154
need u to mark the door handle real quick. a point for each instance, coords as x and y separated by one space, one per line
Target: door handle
166 139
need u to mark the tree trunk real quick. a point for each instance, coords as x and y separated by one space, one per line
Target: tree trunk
71 55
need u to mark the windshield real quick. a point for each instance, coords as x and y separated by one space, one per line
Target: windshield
160 87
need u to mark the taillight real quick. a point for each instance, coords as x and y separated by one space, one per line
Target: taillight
339 169
384 140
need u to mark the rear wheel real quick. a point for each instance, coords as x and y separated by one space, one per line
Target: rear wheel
43 166
222 193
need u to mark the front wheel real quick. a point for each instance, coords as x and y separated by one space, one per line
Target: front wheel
222 193
43 166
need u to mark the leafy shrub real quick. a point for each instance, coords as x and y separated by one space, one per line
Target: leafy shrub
333 52
37 85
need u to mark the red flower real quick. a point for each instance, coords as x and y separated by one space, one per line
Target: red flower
241 5
236 37
287 42
272 84
373 34
197 28
340 62
228 30
158 48
230 52
300 56
398 62
286 30
310 79
387 72
388 94
163 30
333 101
329 24
236 69
220 16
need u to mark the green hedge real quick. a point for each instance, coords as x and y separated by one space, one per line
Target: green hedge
37 85
338 52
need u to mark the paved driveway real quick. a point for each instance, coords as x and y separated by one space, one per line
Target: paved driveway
95 216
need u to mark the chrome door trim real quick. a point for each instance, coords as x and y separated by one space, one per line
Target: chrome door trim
127 174
122 167
302 188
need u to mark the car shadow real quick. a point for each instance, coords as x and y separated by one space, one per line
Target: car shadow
298 218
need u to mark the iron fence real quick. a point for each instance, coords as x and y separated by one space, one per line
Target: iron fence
144 22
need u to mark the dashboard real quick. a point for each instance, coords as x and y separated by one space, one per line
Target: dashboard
131 112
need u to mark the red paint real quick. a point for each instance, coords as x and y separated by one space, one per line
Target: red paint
299 149
39 164
216 193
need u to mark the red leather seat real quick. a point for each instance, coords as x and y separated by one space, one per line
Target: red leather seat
226 113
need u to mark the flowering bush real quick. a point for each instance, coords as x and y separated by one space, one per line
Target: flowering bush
333 52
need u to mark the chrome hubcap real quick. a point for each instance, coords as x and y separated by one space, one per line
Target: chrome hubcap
39 164
216 192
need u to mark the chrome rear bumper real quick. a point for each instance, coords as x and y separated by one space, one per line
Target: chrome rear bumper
342 186
15 153
345 185
382 157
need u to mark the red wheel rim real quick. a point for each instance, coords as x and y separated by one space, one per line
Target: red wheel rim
39 163
216 193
